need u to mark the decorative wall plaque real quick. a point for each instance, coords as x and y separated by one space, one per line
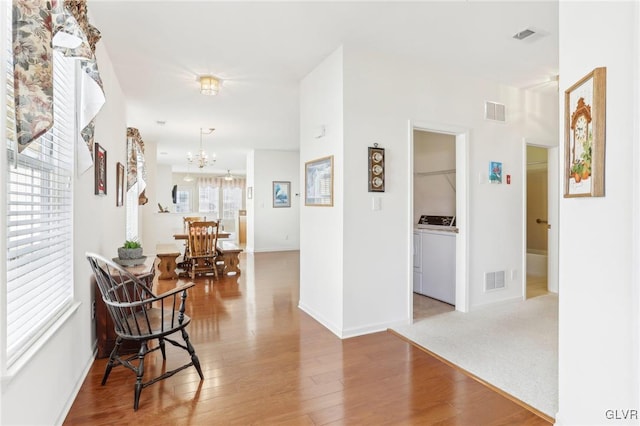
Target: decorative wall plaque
376 169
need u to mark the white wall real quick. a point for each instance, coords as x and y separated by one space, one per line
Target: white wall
598 335
433 194
275 229
321 228
52 378
376 260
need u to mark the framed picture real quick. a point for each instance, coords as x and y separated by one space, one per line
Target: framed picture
318 182
495 172
584 147
281 194
100 166
119 184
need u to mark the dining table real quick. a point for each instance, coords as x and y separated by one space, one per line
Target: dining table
181 235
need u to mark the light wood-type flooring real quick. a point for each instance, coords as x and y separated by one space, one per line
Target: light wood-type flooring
267 362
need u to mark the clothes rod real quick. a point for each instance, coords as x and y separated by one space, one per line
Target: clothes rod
437 172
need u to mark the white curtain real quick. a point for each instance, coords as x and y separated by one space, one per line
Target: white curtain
220 182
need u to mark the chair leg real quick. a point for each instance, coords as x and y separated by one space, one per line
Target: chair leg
162 349
112 359
215 268
139 373
192 352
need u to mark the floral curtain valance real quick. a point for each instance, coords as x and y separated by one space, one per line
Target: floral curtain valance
220 182
136 169
39 26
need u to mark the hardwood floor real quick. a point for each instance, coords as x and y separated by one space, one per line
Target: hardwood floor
267 362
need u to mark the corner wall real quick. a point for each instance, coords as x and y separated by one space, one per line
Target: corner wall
321 228
598 335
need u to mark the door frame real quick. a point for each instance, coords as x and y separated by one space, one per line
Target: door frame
553 202
462 208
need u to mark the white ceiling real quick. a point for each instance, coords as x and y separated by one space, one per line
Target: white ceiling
261 50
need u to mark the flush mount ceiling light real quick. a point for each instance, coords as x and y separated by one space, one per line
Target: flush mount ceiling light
209 85
523 34
202 158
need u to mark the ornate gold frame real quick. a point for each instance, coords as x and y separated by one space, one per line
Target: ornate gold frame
584 164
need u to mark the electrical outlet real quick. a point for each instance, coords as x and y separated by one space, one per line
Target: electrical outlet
93 310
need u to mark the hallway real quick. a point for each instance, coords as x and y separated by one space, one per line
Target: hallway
267 362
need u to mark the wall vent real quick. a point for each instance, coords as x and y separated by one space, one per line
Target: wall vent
494 111
494 280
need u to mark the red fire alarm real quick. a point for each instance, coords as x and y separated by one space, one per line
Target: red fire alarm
508 179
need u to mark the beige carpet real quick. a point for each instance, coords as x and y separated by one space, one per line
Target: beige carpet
513 346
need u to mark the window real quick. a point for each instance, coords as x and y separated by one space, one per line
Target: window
231 202
183 200
209 200
39 268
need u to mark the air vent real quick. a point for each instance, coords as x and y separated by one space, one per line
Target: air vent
494 111
523 34
494 280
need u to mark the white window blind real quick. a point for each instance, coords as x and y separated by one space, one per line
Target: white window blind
39 271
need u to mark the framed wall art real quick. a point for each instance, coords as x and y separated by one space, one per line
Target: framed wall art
281 194
318 182
584 147
495 172
100 166
376 168
119 184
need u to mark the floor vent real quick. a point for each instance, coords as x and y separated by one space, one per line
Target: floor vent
494 111
494 280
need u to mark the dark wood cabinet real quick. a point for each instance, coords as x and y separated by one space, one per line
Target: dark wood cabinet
105 332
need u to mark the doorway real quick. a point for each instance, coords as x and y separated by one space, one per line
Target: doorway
537 221
456 184
540 220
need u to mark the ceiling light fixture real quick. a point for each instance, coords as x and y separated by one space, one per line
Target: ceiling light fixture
202 158
228 176
209 85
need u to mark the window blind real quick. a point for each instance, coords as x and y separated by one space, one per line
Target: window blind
39 271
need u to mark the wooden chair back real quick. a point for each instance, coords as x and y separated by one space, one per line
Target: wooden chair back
188 219
203 238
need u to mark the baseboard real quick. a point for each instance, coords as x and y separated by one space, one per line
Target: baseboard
275 249
316 316
349 332
372 328
76 389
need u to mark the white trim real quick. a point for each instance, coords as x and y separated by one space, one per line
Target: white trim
76 389
372 328
318 317
37 345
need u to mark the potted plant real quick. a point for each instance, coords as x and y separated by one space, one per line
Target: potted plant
131 249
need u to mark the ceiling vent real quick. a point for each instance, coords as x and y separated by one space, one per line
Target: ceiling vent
494 111
523 34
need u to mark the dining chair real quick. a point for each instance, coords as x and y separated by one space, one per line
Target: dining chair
139 315
202 251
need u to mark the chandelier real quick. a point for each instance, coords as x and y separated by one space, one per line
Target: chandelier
202 159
